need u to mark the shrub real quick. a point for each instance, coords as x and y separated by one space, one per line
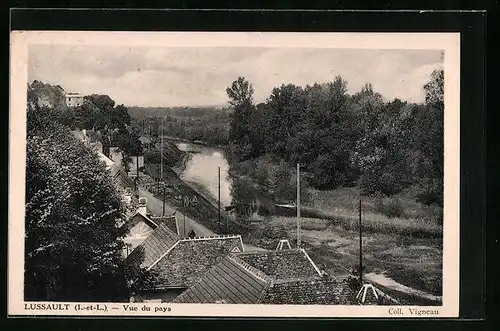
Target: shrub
390 207
314 224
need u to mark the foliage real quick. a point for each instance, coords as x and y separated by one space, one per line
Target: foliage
343 140
209 126
46 95
73 245
390 207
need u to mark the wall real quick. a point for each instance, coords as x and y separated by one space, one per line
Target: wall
74 101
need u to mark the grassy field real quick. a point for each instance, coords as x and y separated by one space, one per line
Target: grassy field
406 249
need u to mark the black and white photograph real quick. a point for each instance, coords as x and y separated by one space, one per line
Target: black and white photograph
255 174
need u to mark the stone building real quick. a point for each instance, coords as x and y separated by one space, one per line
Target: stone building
74 99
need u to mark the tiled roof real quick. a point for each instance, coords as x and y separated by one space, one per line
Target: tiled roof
157 244
121 177
312 291
189 259
138 217
234 281
169 221
231 281
282 264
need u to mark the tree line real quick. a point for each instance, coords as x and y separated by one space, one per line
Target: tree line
208 125
339 139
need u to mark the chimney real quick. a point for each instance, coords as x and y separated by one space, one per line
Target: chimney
127 197
142 206
282 243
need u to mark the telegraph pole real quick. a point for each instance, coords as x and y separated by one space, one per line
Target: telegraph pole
161 168
298 206
137 169
161 151
218 177
163 208
360 248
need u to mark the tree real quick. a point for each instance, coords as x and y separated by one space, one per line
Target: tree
240 95
73 244
431 138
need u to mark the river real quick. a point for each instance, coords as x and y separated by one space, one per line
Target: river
202 169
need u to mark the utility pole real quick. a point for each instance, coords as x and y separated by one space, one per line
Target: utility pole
161 151
137 169
218 177
163 208
298 206
360 248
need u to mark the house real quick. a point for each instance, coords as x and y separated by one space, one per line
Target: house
282 264
173 266
245 277
141 226
269 277
230 281
116 156
117 172
74 99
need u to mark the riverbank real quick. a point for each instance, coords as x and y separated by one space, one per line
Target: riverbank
407 250
412 262
179 169
203 210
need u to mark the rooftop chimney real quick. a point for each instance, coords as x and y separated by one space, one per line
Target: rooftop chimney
282 244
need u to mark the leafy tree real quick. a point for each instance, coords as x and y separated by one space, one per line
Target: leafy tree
73 245
240 95
431 138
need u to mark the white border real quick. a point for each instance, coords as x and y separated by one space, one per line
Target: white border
449 42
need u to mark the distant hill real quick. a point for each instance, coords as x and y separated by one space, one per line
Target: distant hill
199 111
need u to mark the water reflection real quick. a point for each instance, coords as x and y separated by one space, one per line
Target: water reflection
202 170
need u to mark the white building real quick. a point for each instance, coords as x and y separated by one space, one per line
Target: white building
74 99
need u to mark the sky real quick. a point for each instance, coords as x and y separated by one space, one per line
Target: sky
168 77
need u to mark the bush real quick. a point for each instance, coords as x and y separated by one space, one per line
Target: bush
314 224
390 207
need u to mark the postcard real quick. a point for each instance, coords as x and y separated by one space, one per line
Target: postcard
235 174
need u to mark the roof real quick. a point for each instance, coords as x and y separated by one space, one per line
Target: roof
169 221
144 140
109 163
188 260
139 217
234 281
316 291
231 281
151 220
154 246
121 176
282 264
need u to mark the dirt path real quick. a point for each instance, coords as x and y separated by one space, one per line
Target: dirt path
393 285
156 205
185 223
